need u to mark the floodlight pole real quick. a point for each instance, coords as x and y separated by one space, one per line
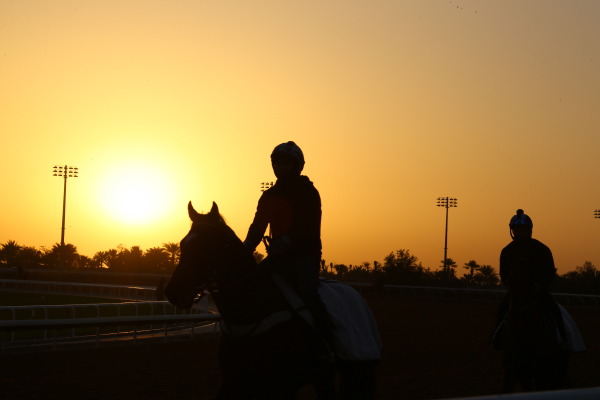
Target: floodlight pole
597 213
446 202
64 172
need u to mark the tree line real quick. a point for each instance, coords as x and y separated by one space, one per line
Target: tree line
399 267
132 260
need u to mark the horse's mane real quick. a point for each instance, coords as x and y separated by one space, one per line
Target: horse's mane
213 216
214 220
217 223
221 219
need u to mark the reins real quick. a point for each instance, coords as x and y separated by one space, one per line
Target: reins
267 242
201 291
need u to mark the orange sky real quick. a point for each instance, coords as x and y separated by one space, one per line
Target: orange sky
395 103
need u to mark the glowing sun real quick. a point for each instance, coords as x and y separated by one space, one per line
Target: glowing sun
135 194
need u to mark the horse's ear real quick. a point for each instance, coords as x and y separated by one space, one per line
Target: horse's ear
214 210
191 212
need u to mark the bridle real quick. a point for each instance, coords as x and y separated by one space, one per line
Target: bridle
201 291
210 285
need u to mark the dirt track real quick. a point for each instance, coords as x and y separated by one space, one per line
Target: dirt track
433 349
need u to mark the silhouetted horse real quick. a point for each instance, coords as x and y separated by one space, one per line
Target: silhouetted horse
535 349
268 349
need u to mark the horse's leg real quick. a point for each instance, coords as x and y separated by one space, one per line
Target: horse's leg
552 371
325 387
235 384
562 367
529 376
510 372
286 395
230 392
234 392
508 383
357 380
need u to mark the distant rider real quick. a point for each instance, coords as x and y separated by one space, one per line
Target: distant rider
526 268
526 264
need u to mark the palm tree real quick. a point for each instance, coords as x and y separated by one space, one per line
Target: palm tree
174 252
62 256
101 258
29 257
472 266
449 268
86 262
487 276
113 259
156 259
133 259
9 252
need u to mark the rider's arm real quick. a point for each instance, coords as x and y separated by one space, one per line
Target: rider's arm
504 267
548 272
258 227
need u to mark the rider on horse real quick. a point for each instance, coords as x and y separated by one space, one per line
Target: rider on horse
527 269
292 210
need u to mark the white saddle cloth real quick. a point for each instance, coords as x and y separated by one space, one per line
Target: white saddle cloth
574 339
356 335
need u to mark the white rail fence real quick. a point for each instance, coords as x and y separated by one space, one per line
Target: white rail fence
52 326
36 326
572 299
51 334
82 289
147 293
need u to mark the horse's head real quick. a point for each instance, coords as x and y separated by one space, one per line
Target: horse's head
209 245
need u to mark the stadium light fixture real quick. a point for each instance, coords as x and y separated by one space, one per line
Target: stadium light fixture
65 172
447 203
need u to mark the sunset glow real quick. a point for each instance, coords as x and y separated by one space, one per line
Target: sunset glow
135 194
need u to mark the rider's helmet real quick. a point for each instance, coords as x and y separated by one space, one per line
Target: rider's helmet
292 151
520 221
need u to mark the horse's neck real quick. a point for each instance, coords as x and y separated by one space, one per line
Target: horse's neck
237 266
244 292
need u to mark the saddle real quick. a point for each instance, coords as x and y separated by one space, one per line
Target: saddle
355 333
568 332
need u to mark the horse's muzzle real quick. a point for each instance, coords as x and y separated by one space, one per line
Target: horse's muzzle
179 298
